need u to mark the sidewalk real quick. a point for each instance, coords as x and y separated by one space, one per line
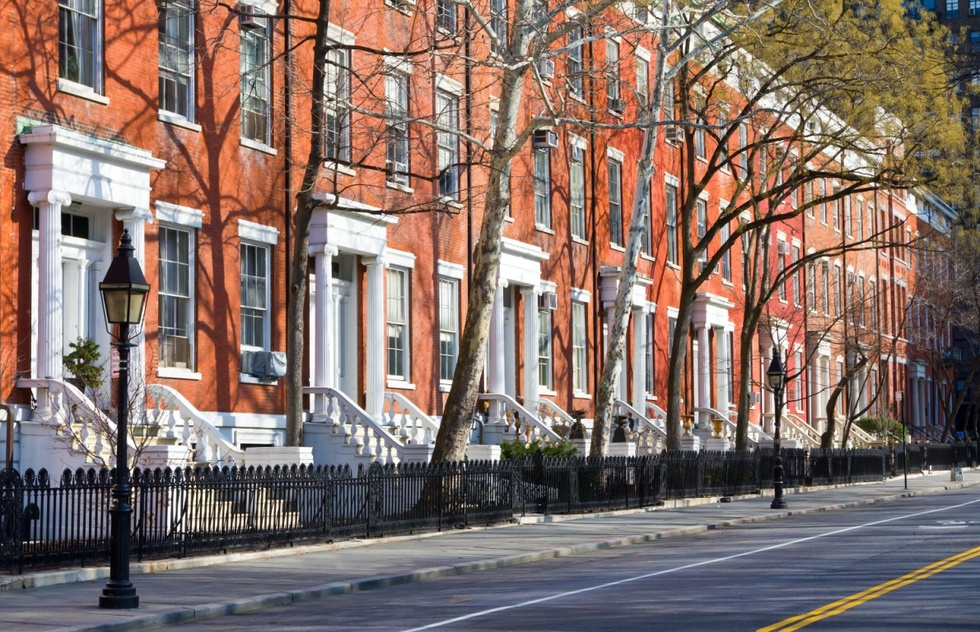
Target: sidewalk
175 591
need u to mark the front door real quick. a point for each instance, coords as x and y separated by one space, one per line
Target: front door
345 341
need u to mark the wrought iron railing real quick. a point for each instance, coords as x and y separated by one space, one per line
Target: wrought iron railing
181 512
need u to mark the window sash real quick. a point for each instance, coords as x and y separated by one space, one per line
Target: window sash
254 295
615 203
79 42
544 350
396 96
448 327
576 81
577 198
498 21
336 119
726 256
702 227
256 95
174 323
643 81
671 203
397 322
176 52
542 187
579 351
447 106
446 15
612 69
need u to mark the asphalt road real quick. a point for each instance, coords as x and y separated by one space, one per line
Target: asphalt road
912 564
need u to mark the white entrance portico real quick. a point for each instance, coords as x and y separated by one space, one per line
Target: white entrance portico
609 277
711 313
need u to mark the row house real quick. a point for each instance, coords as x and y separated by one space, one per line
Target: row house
188 125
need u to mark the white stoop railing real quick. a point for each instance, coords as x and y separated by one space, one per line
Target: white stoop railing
650 433
517 419
177 419
726 429
360 437
84 428
800 431
407 421
860 437
553 416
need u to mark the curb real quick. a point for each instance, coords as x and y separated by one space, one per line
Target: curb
260 602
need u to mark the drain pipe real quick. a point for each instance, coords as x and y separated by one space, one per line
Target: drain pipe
9 412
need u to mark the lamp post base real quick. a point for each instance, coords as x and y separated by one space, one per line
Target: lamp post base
122 597
778 503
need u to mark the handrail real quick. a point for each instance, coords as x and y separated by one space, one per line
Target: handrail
523 418
650 434
102 424
643 420
808 432
755 434
369 437
209 445
861 435
658 412
553 410
414 426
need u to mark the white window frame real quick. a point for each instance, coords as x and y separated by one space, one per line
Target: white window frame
612 68
546 378
576 193
542 187
176 70
448 327
256 80
88 74
575 62
671 189
580 348
447 139
614 160
186 221
397 300
263 239
337 97
397 128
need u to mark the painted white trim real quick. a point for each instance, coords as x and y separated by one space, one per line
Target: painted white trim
399 258
340 35
179 215
447 84
581 296
399 64
260 233
616 154
449 270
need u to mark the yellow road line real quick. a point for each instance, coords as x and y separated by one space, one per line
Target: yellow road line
837 607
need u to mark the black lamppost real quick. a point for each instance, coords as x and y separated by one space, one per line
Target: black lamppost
777 380
124 291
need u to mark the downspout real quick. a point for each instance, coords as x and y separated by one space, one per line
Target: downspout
600 348
288 148
468 104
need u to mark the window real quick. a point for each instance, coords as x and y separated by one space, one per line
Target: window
498 22
822 201
579 352
835 209
700 148
811 287
702 227
577 193
746 250
838 302
797 295
726 256
255 296
615 202
80 42
669 105
398 323
642 81
176 318
743 141
575 76
448 327
825 288
446 15
336 121
542 187
396 99
781 265
952 9
447 106
612 75
176 49
859 212
671 201
860 302
848 217
873 304
646 243
544 349
256 95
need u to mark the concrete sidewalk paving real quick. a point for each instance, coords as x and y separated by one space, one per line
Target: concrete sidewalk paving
177 591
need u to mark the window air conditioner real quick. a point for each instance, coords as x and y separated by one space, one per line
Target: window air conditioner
545 138
782 248
672 134
548 301
250 17
265 365
617 105
546 68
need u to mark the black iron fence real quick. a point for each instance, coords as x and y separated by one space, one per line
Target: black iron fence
184 512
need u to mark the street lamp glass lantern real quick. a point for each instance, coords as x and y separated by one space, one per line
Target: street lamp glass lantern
124 288
776 373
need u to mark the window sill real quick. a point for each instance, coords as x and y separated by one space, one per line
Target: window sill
404 188
257 145
445 386
178 374
177 120
451 202
541 228
245 378
617 247
509 219
673 266
81 91
400 384
546 392
579 241
581 395
728 283
338 167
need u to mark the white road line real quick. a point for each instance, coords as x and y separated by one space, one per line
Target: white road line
524 604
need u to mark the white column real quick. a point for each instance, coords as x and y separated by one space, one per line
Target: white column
495 348
530 296
50 336
374 362
639 360
135 220
704 365
325 366
913 408
724 361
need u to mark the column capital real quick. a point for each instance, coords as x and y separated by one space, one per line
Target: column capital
329 250
377 260
529 290
49 196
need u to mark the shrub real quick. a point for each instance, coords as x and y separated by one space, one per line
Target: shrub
518 450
